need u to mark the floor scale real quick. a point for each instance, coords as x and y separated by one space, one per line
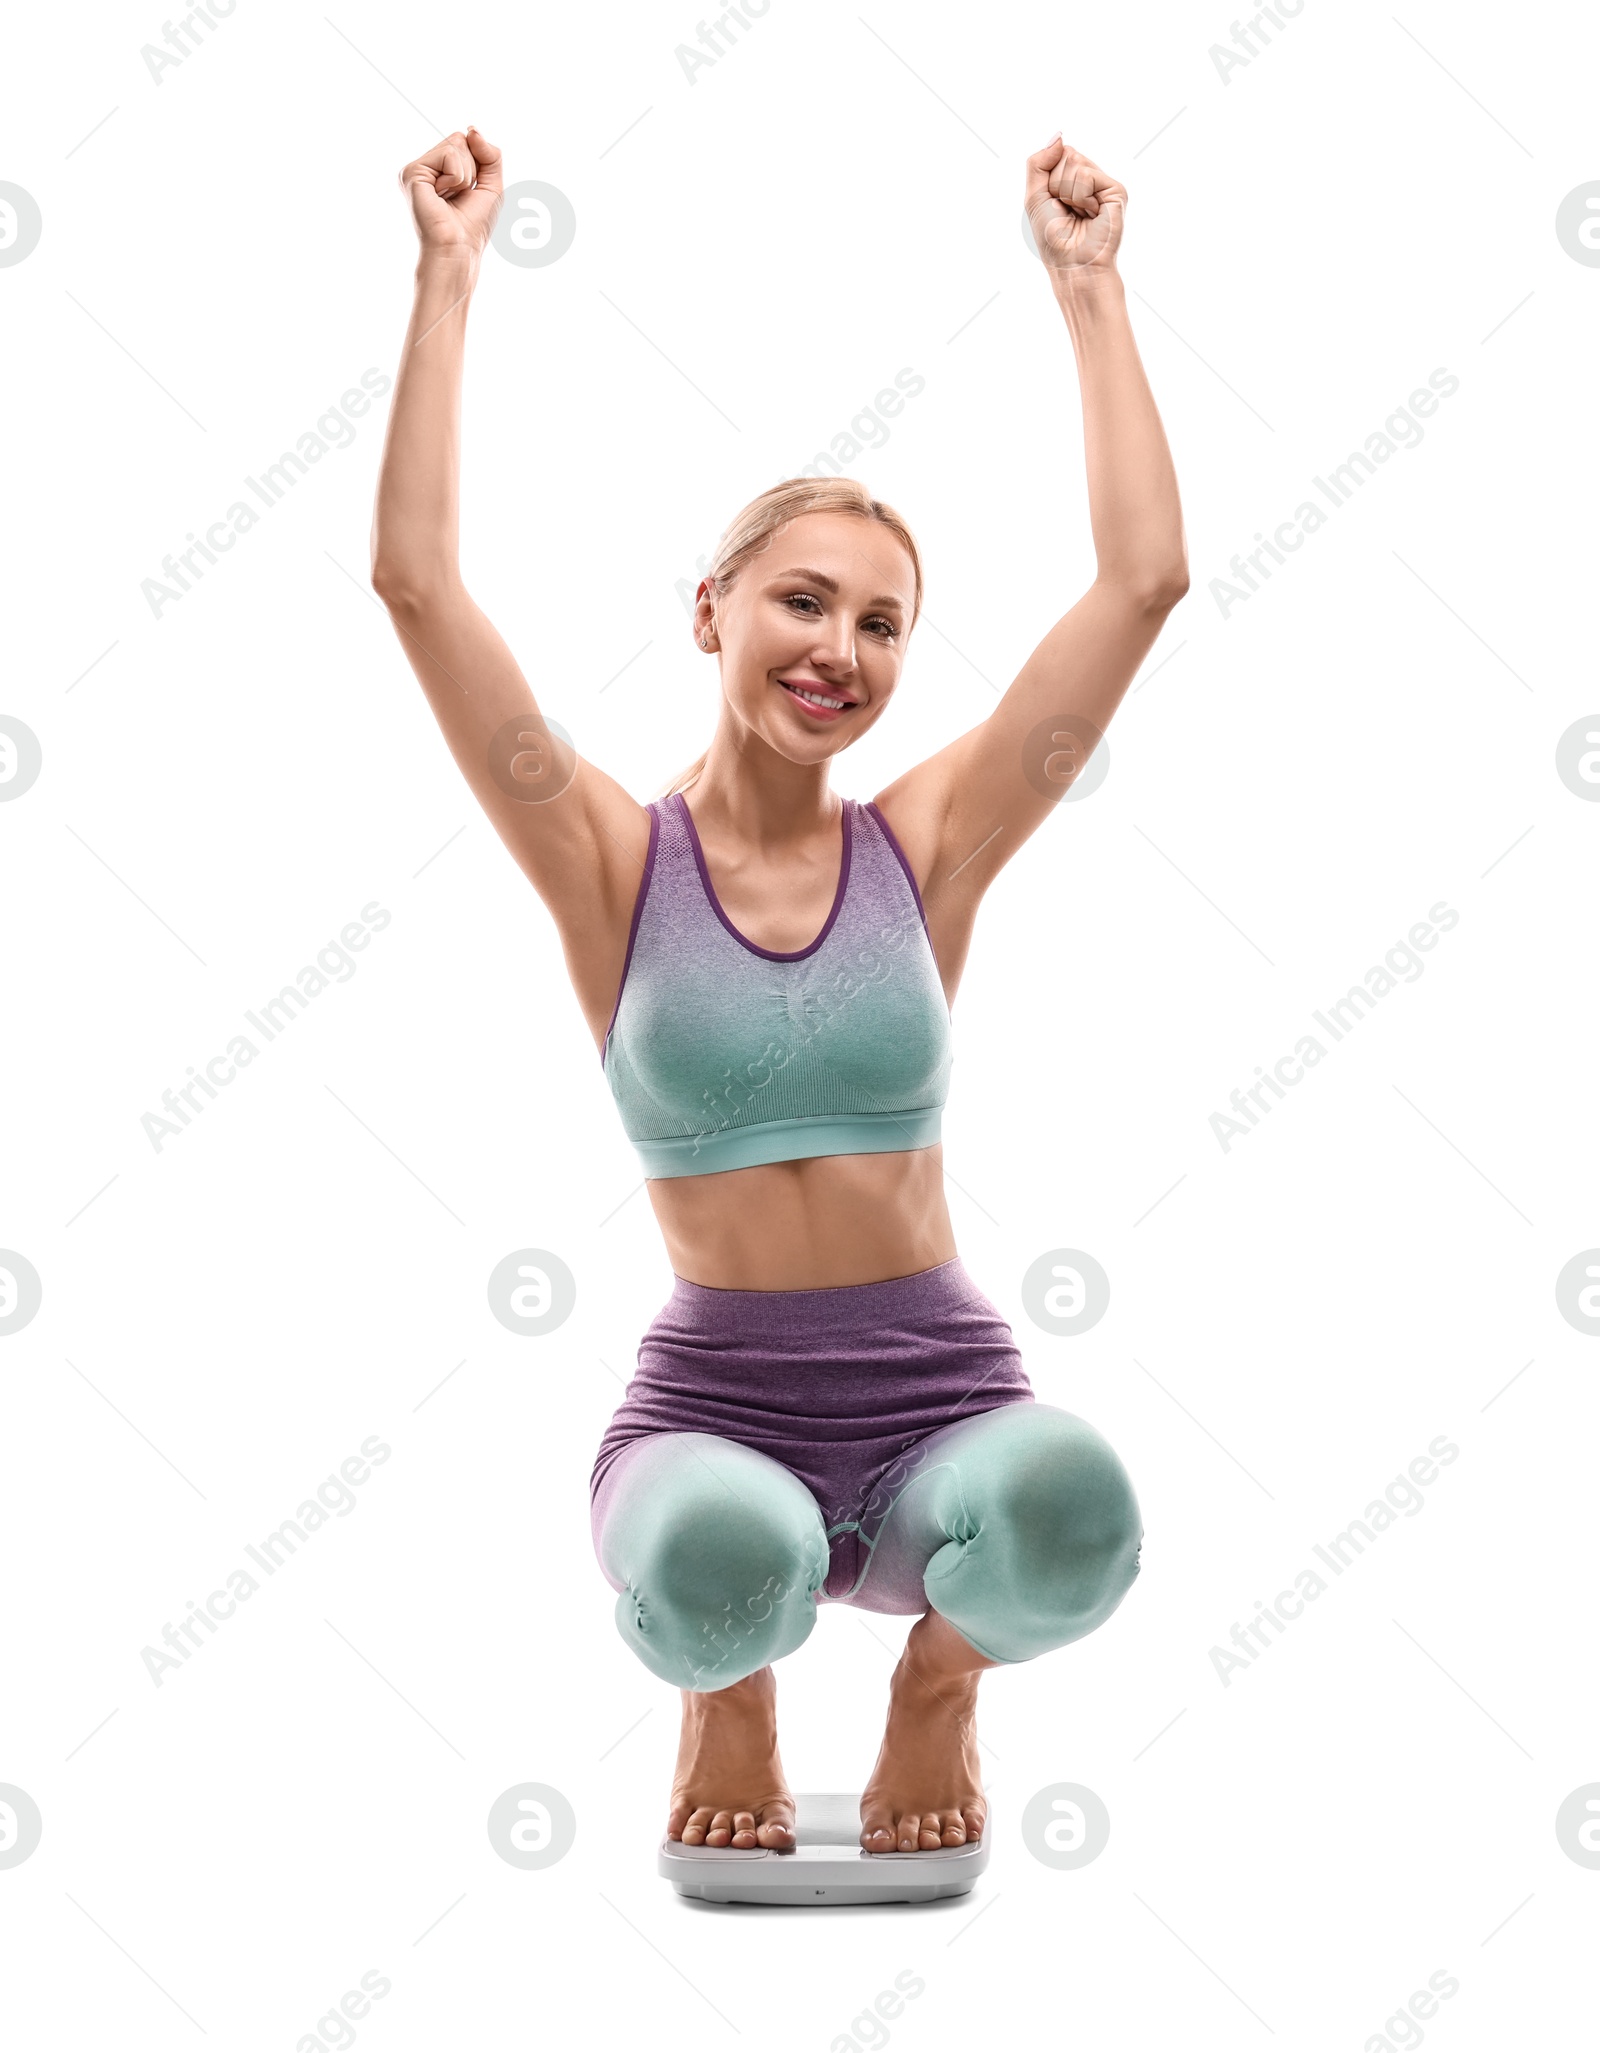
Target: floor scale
827 1864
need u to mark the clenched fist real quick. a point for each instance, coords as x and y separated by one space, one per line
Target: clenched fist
1074 209
455 193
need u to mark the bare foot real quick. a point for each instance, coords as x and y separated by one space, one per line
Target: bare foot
927 1790
729 1788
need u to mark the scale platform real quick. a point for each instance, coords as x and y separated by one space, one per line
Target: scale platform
827 1864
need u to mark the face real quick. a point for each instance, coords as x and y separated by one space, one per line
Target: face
825 609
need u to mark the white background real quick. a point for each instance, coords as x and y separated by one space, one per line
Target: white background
1290 789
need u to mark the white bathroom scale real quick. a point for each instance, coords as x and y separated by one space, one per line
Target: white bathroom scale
827 1864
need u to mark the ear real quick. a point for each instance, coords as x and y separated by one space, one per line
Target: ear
704 619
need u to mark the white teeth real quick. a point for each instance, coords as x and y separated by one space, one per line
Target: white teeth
816 698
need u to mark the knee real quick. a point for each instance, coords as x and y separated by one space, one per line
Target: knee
1072 1519
1055 1533
716 1589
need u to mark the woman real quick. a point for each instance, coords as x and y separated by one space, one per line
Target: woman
827 1408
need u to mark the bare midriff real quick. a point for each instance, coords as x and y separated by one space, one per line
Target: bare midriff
817 1224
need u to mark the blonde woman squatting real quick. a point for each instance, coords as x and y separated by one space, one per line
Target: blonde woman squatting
827 1409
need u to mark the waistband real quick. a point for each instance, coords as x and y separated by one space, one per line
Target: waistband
791 1140
846 1308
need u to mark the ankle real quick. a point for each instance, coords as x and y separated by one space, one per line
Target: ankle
753 1696
917 1681
929 1672
936 1654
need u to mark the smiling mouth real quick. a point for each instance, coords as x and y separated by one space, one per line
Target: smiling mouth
827 703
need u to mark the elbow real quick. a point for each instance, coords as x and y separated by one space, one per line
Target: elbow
1161 593
389 581
402 588
1156 591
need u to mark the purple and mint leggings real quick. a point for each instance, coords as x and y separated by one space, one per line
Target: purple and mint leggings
877 1445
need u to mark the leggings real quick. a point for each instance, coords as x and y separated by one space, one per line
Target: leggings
876 1445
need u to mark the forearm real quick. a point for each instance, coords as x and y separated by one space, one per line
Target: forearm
1134 511
416 517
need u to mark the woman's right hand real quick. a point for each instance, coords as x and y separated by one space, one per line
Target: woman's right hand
1074 210
455 193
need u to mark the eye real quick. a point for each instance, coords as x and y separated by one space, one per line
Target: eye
809 598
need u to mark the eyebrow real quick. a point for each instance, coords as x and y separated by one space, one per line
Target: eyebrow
828 584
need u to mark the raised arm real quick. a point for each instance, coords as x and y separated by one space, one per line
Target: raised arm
963 813
580 838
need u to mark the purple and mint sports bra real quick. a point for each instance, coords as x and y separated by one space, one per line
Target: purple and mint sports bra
722 1055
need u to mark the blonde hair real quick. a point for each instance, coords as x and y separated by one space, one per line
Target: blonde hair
752 529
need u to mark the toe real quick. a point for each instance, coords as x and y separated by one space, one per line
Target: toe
777 1829
877 1828
974 1816
955 1833
744 1828
931 1834
694 1832
721 1829
906 1835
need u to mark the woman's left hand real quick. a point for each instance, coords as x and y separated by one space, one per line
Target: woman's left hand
1074 210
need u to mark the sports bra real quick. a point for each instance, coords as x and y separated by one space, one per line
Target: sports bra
722 1055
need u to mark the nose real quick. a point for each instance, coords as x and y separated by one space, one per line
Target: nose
835 650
